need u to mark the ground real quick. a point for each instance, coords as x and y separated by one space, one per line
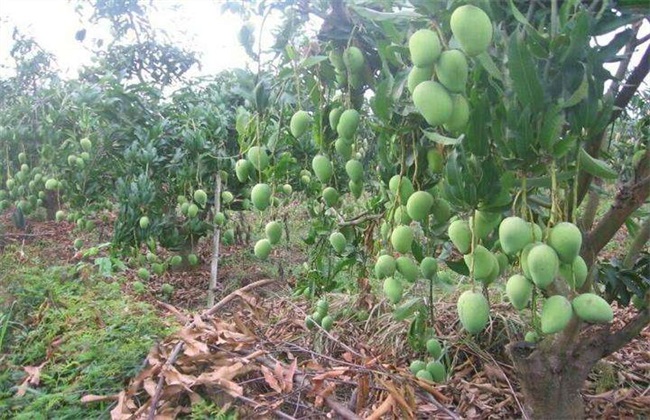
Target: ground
77 341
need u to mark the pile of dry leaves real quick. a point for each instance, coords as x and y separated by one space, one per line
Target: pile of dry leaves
252 351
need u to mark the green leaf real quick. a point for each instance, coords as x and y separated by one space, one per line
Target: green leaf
458 266
489 65
385 16
312 61
408 308
580 94
518 15
551 128
444 140
523 72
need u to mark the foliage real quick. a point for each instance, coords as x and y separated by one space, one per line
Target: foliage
88 336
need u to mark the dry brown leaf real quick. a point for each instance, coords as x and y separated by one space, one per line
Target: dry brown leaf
383 408
33 378
271 380
99 398
288 375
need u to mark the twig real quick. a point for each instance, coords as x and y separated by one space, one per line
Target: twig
161 380
178 314
276 412
234 294
442 407
214 266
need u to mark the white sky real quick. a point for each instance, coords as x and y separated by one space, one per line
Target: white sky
197 24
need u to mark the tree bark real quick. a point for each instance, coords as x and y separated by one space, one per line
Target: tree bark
214 266
550 383
553 371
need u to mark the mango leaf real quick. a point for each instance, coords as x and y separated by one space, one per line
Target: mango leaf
408 308
518 15
312 61
579 38
458 266
523 72
490 66
580 94
551 128
444 140
609 52
385 16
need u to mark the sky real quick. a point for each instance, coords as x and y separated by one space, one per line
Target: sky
197 24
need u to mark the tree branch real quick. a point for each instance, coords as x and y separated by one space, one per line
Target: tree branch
604 342
628 199
620 103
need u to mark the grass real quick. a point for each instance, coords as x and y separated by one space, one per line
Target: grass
89 337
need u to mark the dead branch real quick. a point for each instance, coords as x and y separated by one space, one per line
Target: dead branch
161 380
233 295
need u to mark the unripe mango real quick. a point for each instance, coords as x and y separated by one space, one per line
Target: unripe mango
452 70
519 290
327 322
433 101
86 144
144 274
338 242
435 161
504 264
416 366
404 185
565 238
348 123
424 375
523 259
192 210
437 371
429 267
407 268
472 28
473 311
343 147
353 59
393 289
385 266
334 117
556 314
299 123
401 239
531 337
424 46
258 158
482 261
441 210
200 197
261 196
262 249
144 222
401 216
460 235
418 205
484 223
330 196
543 265
459 114
592 308
354 169
243 169
322 168
273 232
514 234
356 188
434 348
418 75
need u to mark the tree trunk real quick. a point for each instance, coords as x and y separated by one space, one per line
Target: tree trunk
550 383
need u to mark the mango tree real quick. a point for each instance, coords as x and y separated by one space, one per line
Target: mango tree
479 123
